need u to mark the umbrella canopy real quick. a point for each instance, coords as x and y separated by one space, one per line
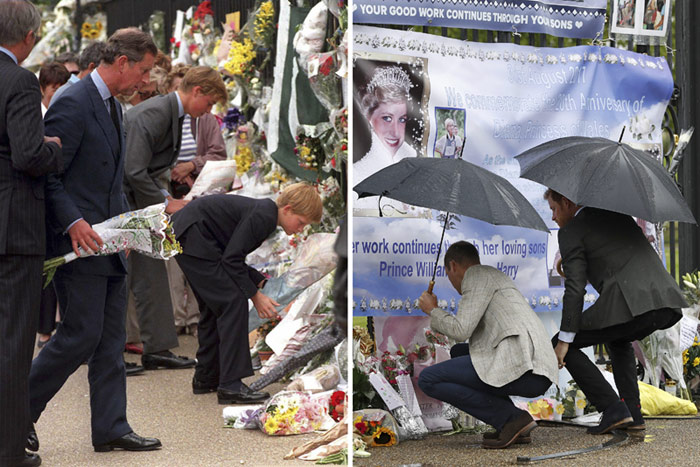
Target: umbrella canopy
601 173
456 186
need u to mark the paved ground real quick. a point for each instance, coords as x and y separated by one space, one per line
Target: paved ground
666 442
160 404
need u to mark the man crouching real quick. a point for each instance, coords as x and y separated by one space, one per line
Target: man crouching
509 354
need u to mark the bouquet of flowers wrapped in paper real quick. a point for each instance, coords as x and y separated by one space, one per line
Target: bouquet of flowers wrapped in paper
293 413
147 231
325 83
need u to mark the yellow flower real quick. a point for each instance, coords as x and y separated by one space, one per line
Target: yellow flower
559 408
581 403
94 34
383 437
696 362
271 426
240 57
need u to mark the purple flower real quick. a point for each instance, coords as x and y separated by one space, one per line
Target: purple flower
232 118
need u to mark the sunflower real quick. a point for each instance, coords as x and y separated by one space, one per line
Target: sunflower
383 437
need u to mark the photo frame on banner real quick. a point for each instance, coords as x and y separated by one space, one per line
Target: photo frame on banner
641 17
391 122
449 119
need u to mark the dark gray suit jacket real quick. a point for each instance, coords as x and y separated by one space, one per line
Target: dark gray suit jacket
153 135
91 187
24 161
610 251
226 228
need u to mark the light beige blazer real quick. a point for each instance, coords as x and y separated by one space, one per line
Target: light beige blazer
506 338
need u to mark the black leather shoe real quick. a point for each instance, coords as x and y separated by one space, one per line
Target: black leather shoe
203 387
130 442
244 396
165 359
29 460
133 369
32 440
614 417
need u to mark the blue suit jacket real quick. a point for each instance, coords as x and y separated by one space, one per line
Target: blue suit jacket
91 186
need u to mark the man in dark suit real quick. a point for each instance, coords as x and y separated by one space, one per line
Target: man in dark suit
216 233
153 136
637 296
92 291
26 156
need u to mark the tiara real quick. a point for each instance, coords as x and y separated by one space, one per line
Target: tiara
390 76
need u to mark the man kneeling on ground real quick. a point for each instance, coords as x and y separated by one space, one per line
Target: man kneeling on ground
509 349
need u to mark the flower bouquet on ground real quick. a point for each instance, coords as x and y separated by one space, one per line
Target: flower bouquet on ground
336 405
293 413
376 427
691 361
147 231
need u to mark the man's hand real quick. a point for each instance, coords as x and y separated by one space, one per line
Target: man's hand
53 139
174 205
427 302
181 171
82 235
265 306
560 351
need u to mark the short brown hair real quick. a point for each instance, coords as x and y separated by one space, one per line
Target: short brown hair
208 79
462 253
53 73
303 199
131 42
553 195
177 71
17 19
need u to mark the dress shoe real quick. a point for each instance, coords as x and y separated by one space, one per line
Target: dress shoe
203 387
527 439
615 416
637 418
522 425
32 439
165 359
29 460
244 396
131 347
130 442
133 369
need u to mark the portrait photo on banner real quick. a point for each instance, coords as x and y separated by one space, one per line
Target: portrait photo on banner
450 132
641 17
391 122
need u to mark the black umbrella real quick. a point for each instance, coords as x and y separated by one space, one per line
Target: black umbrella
455 186
606 174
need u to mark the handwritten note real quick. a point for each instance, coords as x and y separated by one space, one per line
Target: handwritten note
390 397
689 329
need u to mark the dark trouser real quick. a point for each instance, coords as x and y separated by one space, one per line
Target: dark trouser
20 279
47 310
455 381
223 356
619 340
94 309
148 281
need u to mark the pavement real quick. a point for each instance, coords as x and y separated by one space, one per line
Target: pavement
664 442
160 404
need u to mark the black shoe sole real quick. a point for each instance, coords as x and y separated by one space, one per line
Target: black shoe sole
624 423
204 390
107 448
155 366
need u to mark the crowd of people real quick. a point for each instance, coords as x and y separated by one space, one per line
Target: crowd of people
112 130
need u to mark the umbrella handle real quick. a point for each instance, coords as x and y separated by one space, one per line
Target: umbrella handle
430 287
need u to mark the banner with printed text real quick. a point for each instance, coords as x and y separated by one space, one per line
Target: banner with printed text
563 18
495 100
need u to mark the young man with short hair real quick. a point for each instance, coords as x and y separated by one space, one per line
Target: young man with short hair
153 138
509 351
216 233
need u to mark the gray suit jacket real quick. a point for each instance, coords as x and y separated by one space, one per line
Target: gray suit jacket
610 251
153 135
506 338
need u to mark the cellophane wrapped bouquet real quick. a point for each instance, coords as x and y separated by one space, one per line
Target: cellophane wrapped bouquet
147 231
293 413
